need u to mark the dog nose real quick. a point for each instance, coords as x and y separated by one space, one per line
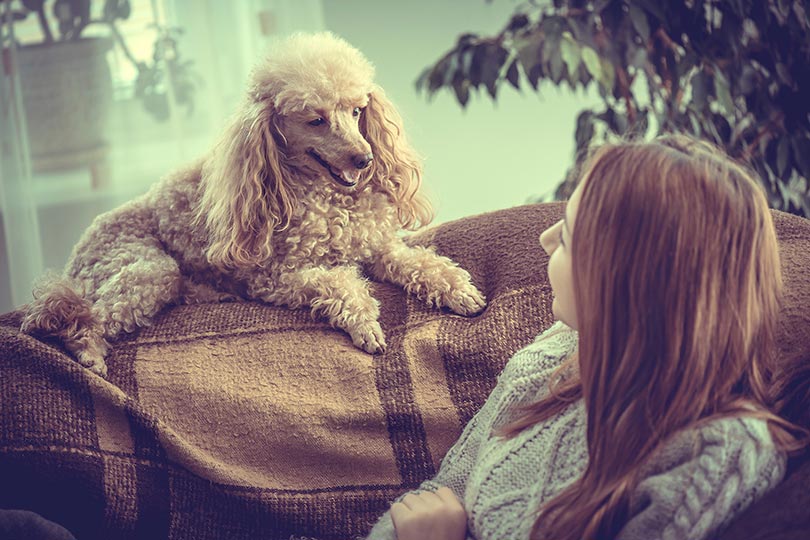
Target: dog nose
361 161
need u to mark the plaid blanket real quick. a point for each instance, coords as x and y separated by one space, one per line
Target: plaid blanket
247 421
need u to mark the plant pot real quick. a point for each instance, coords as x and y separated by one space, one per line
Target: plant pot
67 93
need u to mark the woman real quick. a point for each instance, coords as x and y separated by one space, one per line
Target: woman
643 413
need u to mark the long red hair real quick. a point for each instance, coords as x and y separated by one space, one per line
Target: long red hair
677 285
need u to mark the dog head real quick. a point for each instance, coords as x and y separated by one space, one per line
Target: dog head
312 114
318 87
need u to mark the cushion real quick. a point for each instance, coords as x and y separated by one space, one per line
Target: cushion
245 421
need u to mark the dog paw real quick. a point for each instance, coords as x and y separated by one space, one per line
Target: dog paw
93 362
369 337
466 300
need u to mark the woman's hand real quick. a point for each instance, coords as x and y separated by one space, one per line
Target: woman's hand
430 516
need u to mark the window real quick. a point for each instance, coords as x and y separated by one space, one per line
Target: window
138 31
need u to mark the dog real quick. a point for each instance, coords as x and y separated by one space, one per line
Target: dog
312 183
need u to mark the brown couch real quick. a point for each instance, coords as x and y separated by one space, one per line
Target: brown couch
246 421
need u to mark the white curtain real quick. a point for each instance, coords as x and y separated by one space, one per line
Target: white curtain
23 254
226 39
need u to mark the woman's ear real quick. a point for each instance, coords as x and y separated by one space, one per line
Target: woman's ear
244 196
396 166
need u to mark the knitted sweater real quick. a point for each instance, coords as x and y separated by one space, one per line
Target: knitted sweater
692 486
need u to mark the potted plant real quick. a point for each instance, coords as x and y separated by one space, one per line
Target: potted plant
736 73
67 84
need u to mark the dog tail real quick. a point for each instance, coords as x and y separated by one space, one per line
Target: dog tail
60 310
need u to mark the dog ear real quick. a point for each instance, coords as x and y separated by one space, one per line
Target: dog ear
396 166
244 196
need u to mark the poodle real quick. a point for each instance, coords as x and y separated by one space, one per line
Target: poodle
307 189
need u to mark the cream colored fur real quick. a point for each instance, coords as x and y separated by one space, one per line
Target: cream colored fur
266 216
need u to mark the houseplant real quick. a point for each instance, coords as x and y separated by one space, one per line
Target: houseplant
67 85
735 72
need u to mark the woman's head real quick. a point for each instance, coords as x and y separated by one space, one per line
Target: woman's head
669 269
676 275
556 241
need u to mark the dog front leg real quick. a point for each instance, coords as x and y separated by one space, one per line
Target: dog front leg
436 279
338 293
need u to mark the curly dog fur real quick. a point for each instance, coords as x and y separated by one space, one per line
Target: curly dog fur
309 185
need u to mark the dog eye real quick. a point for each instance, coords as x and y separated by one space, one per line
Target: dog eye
357 111
317 122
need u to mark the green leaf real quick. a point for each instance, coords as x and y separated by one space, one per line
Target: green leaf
764 143
653 7
640 22
785 196
608 75
721 127
685 64
600 5
518 21
801 152
591 60
116 9
33 5
422 79
19 15
494 58
784 74
492 90
513 75
528 52
801 14
461 86
721 91
584 76
570 52
476 58
783 156
639 128
697 129
556 66
438 74
82 9
749 80
63 11
585 130
451 69
552 26
553 57
551 46
534 75
637 58
700 90
124 9
583 29
616 121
